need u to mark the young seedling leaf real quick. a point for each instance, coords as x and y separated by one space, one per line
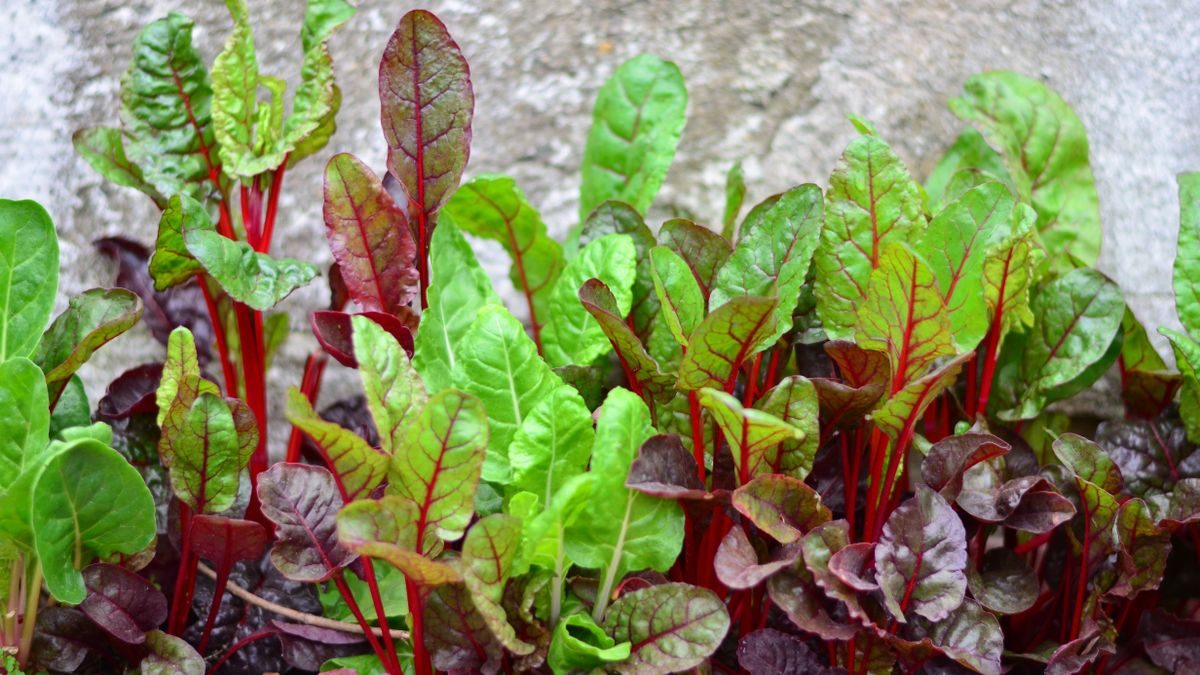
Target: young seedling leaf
678 293
123 604
737 563
249 277
754 436
794 400
784 508
553 444
303 502
704 251
949 458
487 556
207 459
387 529
921 558
724 340
643 370
614 217
395 393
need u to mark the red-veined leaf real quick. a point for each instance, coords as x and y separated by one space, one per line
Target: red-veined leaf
303 502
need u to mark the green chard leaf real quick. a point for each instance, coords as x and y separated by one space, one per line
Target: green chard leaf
458 290
235 96
1077 318
1187 258
250 277
571 335
1045 150
902 410
552 445
317 98
369 236
672 627
644 372
357 467
872 201
91 320
619 218
425 90
580 645
772 256
207 458
725 338
166 110
28 275
623 530
1010 271
487 557
783 507
498 362
735 194
904 314
636 124
1187 359
754 436
794 400
24 418
395 393
493 207
968 162
955 246
1148 387
678 293
704 251
88 502
387 529
171 263
103 148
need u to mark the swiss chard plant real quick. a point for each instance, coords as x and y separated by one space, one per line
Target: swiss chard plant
824 433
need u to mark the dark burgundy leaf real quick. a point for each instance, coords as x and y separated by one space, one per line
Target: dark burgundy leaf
853 565
339 294
122 603
1005 584
702 249
303 502
1030 504
63 638
1152 455
228 540
796 593
333 331
457 636
921 557
946 461
307 647
164 311
737 564
1171 642
864 380
1074 656
131 393
769 652
664 468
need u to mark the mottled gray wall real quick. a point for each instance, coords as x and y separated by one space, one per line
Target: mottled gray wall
770 83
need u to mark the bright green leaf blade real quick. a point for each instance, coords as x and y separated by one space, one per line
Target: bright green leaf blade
636 124
235 96
1187 256
969 158
104 150
172 263
794 400
438 463
358 467
1010 271
754 436
24 419
580 645
1089 461
571 335
955 246
703 250
28 275
773 255
872 201
905 407
248 276
493 207
678 293
166 110
206 464
458 289
620 218
91 320
387 529
725 339
1045 149
395 393
317 98
498 363
904 314
735 194
181 366
88 503
672 627
553 444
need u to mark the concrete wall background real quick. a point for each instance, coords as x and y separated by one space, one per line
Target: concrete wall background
770 83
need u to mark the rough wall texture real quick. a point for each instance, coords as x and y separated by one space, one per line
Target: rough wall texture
770 83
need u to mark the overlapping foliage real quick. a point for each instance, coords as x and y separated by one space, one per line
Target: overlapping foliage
824 439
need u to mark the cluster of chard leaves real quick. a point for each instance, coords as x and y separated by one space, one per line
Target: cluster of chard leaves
820 433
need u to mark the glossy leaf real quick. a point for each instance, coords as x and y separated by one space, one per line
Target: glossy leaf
28 275
664 468
571 334
170 655
1011 269
1172 643
754 436
636 123
598 300
388 529
906 406
735 194
1151 456
437 465
1004 584
579 644
672 627
724 340
493 207
794 400
1045 150
395 393
797 595
369 236
172 264
704 251
235 81
553 444
767 651
1030 503
784 508
24 419
1088 461
872 202
88 502
91 320
458 290
921 558
458 638
949 458
425 91
166 104
207 459
970 636
955 247
737 563
678 293
122 603
303 502
357 467
487 556
773 256
1143 548
103 148
250 277
1147 386
498 363
219 539
620 218
334 330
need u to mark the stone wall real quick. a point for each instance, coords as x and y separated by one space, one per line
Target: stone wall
770 84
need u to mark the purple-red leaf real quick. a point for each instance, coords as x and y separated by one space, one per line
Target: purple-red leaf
306 647
672 627
852 566
783 507
643 370
224 541
369 236
303 502
1005 584
921 558
1029 503
1171 642
1152 455
664 468
946 461
769 652
131 393
796 593
737 564
122 603
335 333
457 636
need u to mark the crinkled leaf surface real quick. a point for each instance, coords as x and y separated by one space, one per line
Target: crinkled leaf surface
794 400
724 340
487 556
949 458
303 502
122 603
1011 270
91 319
1004 583
579 644
672 627
636 123
1151 455
754 436
767 651
172 264
614 217
921 557
28 275
235 80
207 459
395 393
250 277
703 250
553 444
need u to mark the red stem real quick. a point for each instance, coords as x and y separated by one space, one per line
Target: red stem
752 382
993 343
380 612
218 326
185 553
1081 588
218 593
384 657
249 223
253 637
698 434
310 385
416 610
268 228
773 367
1032 544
